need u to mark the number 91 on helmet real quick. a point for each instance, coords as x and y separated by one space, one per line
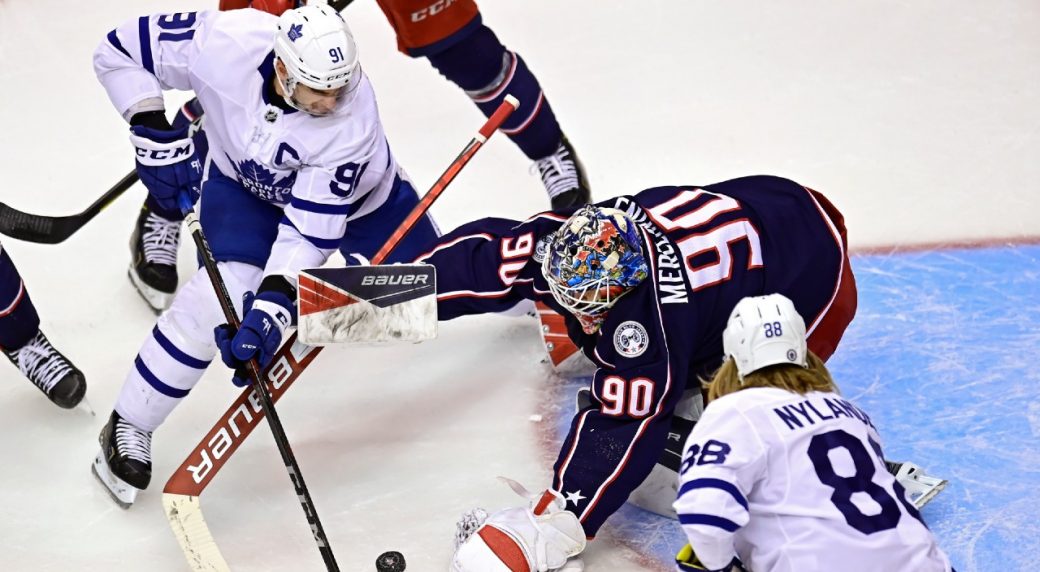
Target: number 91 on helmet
593 259
317 60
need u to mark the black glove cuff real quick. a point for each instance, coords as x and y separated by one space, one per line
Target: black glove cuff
152 120
278 283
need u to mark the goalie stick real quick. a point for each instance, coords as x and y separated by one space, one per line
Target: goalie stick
182 490
54 229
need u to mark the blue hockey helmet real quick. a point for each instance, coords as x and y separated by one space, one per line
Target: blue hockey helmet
594 259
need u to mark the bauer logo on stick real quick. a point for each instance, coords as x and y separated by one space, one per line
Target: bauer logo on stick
368 304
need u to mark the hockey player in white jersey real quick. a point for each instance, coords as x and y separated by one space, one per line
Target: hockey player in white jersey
298 166
783 474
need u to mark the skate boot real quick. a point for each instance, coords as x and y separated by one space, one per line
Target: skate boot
124 464
50 371
153 251
920 488
564 177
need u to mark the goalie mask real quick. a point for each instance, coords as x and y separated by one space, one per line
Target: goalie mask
594 259
320 57
764 331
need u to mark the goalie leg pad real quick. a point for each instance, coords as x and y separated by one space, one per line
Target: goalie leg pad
558 345
542 537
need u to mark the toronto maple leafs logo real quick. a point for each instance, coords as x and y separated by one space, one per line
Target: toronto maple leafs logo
264 183
295 32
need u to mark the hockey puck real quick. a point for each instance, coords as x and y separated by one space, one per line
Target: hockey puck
390 562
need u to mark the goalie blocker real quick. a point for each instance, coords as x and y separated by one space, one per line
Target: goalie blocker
362 304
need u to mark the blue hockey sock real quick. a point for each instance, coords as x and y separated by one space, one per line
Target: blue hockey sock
19 321
482 66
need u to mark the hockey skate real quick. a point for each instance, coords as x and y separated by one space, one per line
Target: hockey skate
564 177
124 464
50 371
920 488
153 251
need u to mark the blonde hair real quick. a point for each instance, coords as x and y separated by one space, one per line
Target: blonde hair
793 378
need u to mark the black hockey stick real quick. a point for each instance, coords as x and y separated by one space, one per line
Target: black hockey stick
54 229
262 390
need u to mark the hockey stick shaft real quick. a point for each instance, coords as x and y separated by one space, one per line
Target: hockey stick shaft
54 229
267 404
231 430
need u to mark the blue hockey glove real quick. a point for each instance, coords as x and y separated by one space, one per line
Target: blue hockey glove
267 315
686 561
167 163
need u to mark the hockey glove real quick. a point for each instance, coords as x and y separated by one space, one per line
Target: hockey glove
687 561
167 164
541 536
267 315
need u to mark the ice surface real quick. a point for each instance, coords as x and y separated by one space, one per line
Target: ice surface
919 120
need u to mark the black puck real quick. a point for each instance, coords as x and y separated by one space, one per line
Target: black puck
390 562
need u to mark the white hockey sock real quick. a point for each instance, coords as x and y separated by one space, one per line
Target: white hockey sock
180 347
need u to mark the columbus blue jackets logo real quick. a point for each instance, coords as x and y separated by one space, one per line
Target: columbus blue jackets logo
631 339
264 183
295 32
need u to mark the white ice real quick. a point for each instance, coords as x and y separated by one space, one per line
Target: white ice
921 120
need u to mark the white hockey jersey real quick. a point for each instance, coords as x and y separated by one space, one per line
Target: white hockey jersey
790 482
323 171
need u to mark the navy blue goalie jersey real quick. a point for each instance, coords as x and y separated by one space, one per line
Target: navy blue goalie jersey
706 247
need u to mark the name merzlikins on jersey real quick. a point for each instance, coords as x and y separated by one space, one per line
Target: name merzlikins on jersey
363 304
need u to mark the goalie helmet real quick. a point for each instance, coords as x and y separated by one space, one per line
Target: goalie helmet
319 53
764 331
594 259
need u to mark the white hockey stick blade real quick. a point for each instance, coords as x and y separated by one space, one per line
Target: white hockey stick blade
364 304
117 488
192 532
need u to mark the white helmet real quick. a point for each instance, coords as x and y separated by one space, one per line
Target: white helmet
317 49
764 331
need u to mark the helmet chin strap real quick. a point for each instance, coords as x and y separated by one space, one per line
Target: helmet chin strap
288 86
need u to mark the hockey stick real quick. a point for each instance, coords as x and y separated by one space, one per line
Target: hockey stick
266 403
54 229
182 490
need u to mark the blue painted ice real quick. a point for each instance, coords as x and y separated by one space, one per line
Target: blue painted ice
942 355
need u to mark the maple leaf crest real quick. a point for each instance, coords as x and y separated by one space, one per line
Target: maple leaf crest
263 182
295 32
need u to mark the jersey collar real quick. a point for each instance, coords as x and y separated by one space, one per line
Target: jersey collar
267 92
